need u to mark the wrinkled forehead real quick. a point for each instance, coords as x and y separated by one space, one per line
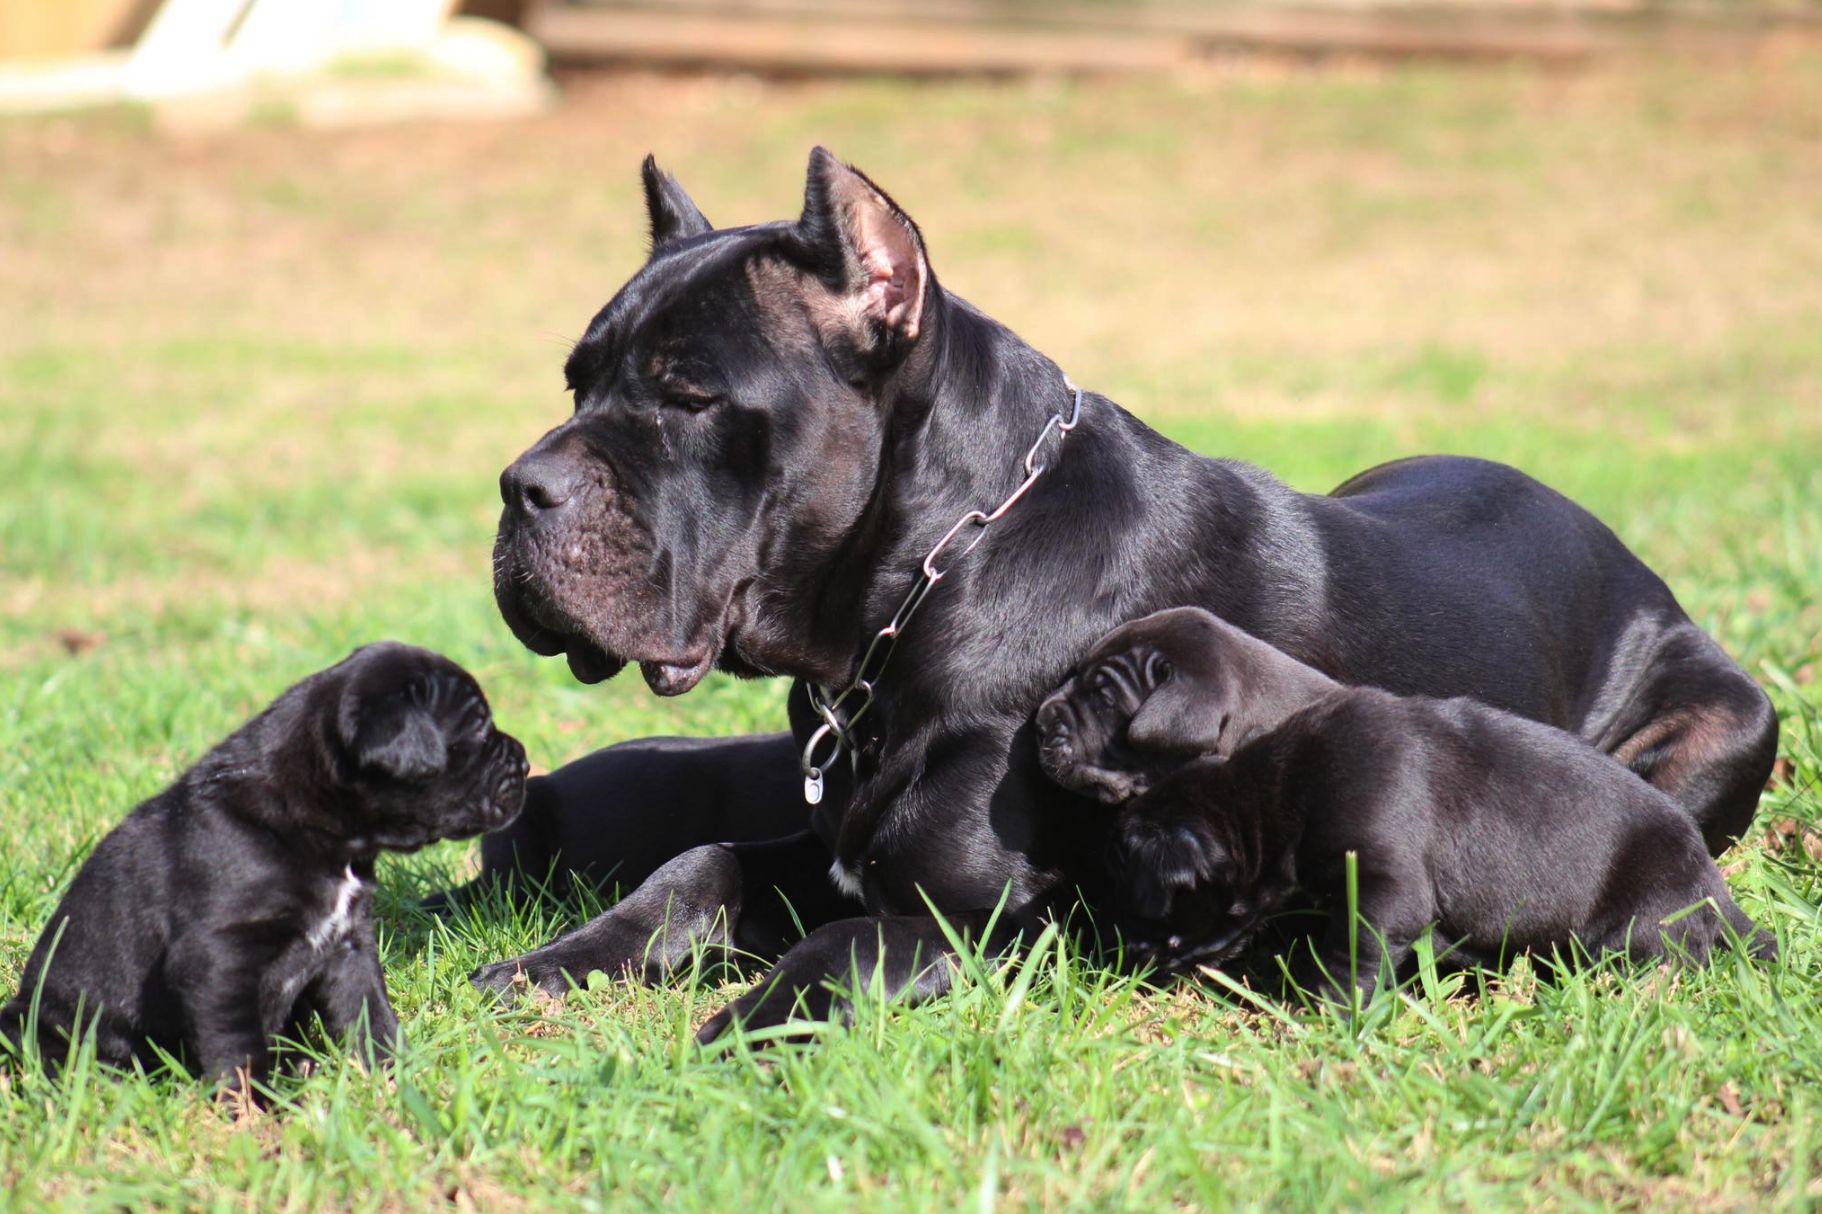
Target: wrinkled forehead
679 272
1177 635
380 673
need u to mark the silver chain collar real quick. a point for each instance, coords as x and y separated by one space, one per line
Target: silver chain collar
839 717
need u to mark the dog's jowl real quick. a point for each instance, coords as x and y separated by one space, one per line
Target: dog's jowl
1241 774
234 906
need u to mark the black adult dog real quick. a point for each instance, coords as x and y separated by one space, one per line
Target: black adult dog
233 906
773 427
1242 775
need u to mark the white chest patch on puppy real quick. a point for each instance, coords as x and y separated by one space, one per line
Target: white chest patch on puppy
335 924
846 878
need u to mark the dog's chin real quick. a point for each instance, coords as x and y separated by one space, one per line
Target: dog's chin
548 631
478 819
589 661
673 678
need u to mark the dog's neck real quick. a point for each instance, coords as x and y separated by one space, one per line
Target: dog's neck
965 408
237 779
960 414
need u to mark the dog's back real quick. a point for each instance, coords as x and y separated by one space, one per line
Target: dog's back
1532 838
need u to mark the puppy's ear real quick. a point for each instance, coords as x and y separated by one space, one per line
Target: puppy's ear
396 737
866 250
674 216
1175 720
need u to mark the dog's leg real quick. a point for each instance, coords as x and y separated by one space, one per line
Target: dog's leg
619 814
351 1001
726 896
1701 730
1663 930
1358 949
225 1008
905 957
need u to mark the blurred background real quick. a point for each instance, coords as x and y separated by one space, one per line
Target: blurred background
285 283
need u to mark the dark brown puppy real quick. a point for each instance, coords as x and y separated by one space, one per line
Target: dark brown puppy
234 906
1242 774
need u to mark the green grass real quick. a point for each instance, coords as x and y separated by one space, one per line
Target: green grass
254 392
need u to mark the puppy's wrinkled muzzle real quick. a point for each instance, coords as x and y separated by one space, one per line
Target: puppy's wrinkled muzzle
511 769
1056 744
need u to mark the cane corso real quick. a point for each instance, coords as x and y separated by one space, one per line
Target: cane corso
1242 775
234 905
773 427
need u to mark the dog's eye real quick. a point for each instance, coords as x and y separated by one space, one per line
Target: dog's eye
690 400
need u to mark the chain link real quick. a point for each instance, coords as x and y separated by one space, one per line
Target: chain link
839 716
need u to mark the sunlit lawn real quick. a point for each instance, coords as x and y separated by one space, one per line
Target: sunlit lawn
255 391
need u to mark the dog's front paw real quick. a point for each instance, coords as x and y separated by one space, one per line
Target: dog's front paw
523 975
783 998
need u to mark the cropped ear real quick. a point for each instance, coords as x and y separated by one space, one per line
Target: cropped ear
868 251
1175 720
674 216
396 737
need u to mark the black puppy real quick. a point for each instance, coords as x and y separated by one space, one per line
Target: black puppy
234 905
1242 774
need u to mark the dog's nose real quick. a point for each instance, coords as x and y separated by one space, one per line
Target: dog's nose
1050 717
537 482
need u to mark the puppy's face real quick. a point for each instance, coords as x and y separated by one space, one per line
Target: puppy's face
418 752
1137 707
1187 895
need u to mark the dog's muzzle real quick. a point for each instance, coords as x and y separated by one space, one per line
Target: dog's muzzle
1055 744
505 790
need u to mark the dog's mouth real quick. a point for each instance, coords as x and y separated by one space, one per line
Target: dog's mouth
1056 754
501 795
548 629
674 677
590 662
